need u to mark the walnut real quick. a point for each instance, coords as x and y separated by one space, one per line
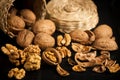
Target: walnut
33 62
62 71
8 48
79 36
28 16
103 31
64 51
25 38
81 48
78 68
51 56
46 26
63 40
105 44
16 56
44 40
32 49
15 24
17 73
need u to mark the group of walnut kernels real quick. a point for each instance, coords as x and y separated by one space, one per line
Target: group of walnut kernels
36 38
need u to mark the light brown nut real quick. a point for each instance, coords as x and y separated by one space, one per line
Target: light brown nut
44 40
81 48
17 73
78 68
15 24
79 36
64 51
51 56
103 31
61 71
105 44
46 26
28 16
99 69
24 38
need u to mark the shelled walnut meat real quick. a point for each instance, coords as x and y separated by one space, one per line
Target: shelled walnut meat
51 56
46 26
44 40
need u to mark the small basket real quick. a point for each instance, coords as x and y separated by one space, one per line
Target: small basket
37 6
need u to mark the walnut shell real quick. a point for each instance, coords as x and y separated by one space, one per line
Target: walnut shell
52 56
105 44
44 40
28 16
71 14
103 31
46 26
79 36
15 23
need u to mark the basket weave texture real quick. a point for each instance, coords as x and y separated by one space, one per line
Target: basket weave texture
39 8
73 14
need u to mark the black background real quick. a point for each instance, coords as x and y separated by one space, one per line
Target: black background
109 13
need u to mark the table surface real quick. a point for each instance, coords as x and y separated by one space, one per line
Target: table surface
109 13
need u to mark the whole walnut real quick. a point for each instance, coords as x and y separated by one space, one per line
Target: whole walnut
46 26
44 40
103 31
15 23
25 38
28 16
105 44
79 35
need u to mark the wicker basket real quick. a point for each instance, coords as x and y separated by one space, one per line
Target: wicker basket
37 6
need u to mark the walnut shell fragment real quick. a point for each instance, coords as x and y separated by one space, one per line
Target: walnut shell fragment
77 47
78 68
105 44
51 56
62 71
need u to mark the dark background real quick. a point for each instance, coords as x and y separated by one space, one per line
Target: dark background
109 13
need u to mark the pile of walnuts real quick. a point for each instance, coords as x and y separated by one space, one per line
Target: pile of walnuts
37 40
